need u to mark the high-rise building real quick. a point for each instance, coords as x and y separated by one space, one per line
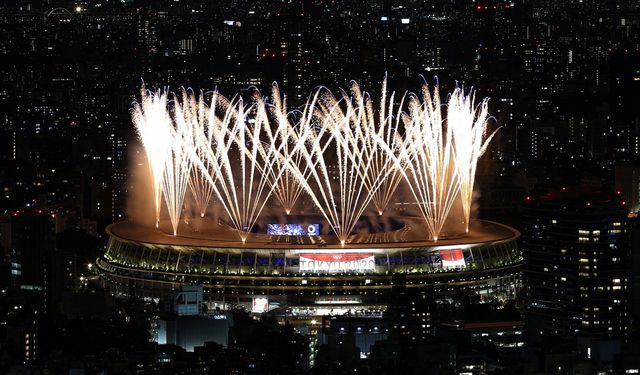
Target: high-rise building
21 338
409 313
576 245
628 183
32 240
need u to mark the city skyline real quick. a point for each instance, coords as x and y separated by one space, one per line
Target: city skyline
546 281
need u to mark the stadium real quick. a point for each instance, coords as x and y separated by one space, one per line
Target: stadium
304 270
327 206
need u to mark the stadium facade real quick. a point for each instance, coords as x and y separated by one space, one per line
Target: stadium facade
310 270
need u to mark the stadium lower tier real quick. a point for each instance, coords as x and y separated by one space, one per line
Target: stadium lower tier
150 264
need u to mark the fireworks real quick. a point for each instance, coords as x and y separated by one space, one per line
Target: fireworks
342 152
178 160
243 161
336 163
384 177
347 166
203 126
469 127
427 160
285 185
152 122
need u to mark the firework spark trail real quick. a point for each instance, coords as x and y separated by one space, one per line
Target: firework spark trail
469 124
285 186
242 162
306 162
152 123
382 177
203 124
427 161
178 162
341 138
353 162
315 176
388 131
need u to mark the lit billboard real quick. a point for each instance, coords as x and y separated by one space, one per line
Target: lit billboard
293 229
339 262
260 305
452 258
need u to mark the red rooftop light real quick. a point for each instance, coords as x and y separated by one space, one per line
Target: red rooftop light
588 204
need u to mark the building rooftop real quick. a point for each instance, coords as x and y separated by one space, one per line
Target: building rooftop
207 233
576 197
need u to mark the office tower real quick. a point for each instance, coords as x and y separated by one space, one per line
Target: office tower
576 245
